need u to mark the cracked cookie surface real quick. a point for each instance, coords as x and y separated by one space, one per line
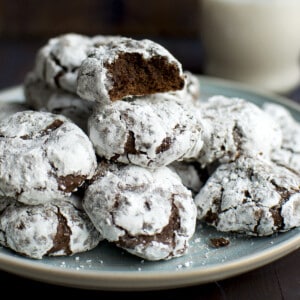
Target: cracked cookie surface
43 156
58 228
147 131
251 196
149 213
289 153
57 62
233 127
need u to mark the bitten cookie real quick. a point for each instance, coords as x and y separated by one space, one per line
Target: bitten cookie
58 61
58 228
43 156
147 131
149 213
289 152
39 96
251 196
233 127
126 67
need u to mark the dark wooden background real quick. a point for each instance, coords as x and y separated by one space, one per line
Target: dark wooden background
26 25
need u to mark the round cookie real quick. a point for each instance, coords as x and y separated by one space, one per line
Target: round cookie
58 61
9 108
43 156
147 131
148 213
251 196
127 67
58 228
233 127
289 152
39 96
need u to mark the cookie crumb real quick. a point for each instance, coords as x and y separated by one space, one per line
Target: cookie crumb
219 242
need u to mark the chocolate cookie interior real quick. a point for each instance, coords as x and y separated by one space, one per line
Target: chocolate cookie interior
134 75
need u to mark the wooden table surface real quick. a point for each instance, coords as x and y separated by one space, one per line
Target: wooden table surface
277 280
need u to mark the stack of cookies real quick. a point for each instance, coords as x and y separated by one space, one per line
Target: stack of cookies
44 159
116 146
133 105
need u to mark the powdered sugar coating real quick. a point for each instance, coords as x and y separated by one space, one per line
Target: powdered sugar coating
149 213
58 61
252 196
234 127
147 131
43 156
39 96
94 79
57 228
289 152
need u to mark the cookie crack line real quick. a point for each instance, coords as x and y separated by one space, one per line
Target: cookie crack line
167 235
283 192
46 131
61 241
237 137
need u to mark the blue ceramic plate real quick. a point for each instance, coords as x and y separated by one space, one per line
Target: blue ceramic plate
110 268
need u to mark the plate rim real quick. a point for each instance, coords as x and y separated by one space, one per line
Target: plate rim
147 280
154 280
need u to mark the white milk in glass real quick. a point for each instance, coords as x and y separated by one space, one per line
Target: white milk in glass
252 41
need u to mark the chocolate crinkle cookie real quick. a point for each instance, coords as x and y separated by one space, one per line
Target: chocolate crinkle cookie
57 228
288 154
147 131
43 156
41 97
58 61
148 213
251 196
233 127
127 67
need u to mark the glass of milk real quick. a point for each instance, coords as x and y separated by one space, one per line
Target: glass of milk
252 41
